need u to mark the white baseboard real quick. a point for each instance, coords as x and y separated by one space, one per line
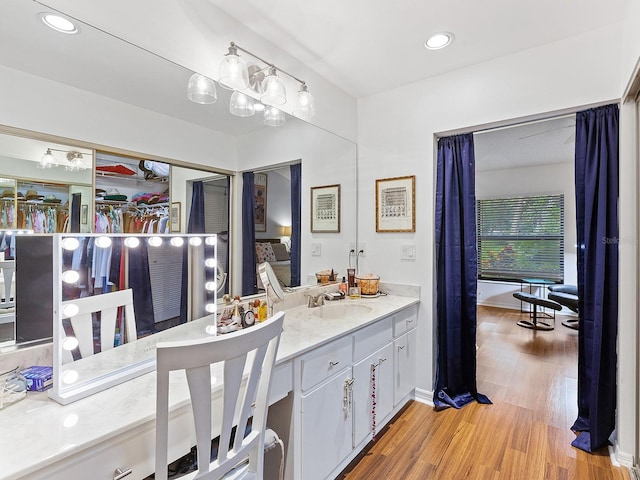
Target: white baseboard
623 459
424 396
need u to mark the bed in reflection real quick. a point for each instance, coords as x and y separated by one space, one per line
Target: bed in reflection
276 254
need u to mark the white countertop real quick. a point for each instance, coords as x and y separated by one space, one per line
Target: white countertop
37 431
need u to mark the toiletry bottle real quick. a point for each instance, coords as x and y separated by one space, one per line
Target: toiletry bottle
235 316
343 286
262 311
351 275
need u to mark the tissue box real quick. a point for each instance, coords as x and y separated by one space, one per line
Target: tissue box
39 378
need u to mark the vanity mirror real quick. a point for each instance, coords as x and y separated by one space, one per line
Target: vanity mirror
110 95
114 296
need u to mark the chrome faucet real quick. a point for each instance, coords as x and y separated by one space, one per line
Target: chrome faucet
316 300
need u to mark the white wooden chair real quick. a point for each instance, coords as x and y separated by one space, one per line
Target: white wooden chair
8 269
254 350
108 305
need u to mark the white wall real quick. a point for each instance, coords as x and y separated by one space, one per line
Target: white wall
557 76
534 180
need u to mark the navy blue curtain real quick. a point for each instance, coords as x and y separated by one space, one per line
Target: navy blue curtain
456 264
196 213
296 227
597 224
76 200
249 280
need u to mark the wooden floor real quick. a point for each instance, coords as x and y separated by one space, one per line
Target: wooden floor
530 376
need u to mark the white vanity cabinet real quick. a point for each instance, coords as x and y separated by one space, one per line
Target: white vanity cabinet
325 408
404 346
334 396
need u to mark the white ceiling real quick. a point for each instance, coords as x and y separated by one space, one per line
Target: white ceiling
368 46
546 142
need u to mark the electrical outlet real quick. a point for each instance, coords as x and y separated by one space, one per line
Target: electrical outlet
358 248
408 252
316 249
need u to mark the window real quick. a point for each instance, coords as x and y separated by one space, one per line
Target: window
521 237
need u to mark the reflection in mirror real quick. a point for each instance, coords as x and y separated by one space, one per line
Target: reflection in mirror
45 196
113 291
273 225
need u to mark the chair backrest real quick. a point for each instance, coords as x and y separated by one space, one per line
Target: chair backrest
108 304
8 268
251 350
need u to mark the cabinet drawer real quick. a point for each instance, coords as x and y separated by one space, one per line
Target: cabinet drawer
371 338
281 382
405 320
325 361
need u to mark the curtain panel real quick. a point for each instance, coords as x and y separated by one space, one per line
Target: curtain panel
596 172
456 270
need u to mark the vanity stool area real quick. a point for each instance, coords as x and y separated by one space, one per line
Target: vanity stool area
332 360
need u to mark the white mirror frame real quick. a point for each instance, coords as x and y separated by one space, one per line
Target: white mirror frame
66 392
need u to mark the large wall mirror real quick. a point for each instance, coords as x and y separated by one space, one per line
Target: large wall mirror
110 96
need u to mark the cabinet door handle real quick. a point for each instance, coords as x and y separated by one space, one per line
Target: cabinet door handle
119 473
380 360
333 364
400 347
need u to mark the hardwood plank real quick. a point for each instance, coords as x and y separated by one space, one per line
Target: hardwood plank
530 376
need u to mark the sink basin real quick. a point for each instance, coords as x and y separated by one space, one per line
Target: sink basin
338 310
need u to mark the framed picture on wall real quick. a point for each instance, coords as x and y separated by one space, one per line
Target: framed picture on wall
325 209
260 212
395 204
174 217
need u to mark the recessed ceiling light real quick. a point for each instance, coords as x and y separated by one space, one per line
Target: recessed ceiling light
439 40
58 23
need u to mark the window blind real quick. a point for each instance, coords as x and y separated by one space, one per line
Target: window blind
521 237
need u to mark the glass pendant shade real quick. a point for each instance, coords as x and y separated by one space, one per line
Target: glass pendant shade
47 159
274 117
304 105
274 91
241 105
233 73
201 89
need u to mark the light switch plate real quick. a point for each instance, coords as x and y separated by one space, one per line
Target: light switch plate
408 252
316 249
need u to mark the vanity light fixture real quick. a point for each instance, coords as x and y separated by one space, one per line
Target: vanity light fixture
274 117
439 40
201 89
75 160
47 160
234 74
59 23
241 105
274 92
